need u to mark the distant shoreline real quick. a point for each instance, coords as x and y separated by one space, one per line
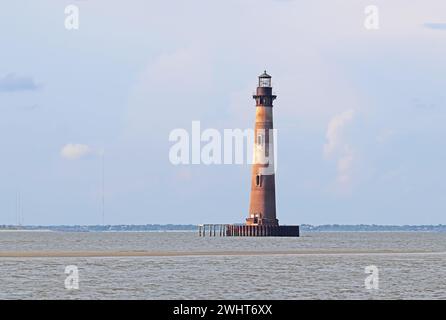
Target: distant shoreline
194 228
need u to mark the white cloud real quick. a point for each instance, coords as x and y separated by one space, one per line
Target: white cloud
334 133
338 146
345 166
73 151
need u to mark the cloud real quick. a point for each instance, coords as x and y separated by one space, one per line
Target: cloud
182 77
335 130
385 135
75 151
345 166
337 146
12 83
435 26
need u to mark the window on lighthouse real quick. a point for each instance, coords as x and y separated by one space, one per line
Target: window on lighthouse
264 82
258 180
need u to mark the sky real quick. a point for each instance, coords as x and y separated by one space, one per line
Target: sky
360 112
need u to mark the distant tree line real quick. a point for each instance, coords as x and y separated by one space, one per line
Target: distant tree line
191 227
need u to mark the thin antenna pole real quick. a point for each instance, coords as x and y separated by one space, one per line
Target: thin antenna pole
17 208
22 218
103 189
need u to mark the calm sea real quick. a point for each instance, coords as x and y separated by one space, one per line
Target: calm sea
314 266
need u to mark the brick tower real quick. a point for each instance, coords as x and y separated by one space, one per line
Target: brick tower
262 220
262 206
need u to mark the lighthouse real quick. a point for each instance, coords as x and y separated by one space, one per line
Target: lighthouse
262 220
262 204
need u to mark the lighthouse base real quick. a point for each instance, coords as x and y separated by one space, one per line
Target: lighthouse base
262 231
236 230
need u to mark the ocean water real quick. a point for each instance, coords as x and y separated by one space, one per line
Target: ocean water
181 265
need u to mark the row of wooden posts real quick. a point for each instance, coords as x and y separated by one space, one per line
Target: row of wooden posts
234 230
212 230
